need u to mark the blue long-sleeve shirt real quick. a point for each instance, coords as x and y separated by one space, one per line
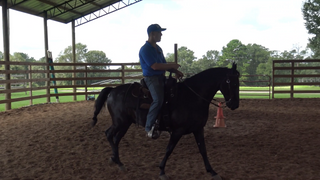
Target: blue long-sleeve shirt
148 56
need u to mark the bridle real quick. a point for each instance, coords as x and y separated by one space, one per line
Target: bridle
211 102
227 79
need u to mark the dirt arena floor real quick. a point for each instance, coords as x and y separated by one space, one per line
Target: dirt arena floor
264 140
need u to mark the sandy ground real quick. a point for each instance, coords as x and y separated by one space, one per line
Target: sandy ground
265 139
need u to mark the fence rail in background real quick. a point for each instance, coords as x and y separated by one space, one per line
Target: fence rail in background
36 74
16 84
27 82
262 81
292 75
83 81
87 68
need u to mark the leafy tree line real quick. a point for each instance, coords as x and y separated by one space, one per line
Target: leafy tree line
82 56
252 59
310 11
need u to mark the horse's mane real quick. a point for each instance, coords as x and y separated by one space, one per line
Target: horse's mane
208 74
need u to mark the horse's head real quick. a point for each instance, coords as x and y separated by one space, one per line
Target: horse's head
230 88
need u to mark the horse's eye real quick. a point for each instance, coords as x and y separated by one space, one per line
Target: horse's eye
228 81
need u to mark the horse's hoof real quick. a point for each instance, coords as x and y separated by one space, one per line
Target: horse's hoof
111 162
123 168
164 177
216 177
93 123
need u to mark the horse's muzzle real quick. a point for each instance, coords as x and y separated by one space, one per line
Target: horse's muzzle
232 104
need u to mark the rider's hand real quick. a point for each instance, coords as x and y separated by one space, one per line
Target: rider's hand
176 66
179 74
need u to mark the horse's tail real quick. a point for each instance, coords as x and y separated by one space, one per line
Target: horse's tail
99 103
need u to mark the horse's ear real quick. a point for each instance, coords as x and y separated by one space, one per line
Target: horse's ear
234 66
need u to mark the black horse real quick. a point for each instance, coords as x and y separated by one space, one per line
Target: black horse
189 113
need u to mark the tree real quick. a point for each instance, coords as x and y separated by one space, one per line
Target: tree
66 57
96 57
236 52
207 61
256 54
258 57
1 56
39 75
300 53
311 15
20 57
1 59
185 59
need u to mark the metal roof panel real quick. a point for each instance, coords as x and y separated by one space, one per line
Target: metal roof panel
64 11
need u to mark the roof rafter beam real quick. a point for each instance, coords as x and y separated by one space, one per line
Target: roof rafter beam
105 11
95 4
13 3
65 7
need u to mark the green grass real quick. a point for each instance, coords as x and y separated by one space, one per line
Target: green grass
254 88
19 104
279 88
244 94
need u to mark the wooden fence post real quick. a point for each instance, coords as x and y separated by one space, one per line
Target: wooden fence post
86 82
273 79
122 72
292 80
30 84
176 53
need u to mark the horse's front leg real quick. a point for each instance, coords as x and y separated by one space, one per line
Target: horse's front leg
174 138
199 136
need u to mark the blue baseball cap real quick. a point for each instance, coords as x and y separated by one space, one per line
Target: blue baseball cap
155 27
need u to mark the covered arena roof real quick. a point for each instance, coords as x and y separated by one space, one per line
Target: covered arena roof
65 11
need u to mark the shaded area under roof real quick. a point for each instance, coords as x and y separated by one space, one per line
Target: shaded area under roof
65 11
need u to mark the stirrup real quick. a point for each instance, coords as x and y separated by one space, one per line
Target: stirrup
154 134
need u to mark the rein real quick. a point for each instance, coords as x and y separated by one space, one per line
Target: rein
211 102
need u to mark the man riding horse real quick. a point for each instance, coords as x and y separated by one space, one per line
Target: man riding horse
153 66
188 110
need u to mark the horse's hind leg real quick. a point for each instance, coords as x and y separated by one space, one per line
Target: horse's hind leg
120 134
199 136
110 133
114 135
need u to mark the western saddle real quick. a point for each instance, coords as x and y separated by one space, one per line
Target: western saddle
141 91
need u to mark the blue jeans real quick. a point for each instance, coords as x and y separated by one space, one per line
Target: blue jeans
156 88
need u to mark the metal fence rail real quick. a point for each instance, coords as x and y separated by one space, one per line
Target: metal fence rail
292 72
125 74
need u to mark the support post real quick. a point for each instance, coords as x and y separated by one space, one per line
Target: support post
273 64
292 79
122 74
176 53
86 82
74 59
30 84
46 48
5 27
